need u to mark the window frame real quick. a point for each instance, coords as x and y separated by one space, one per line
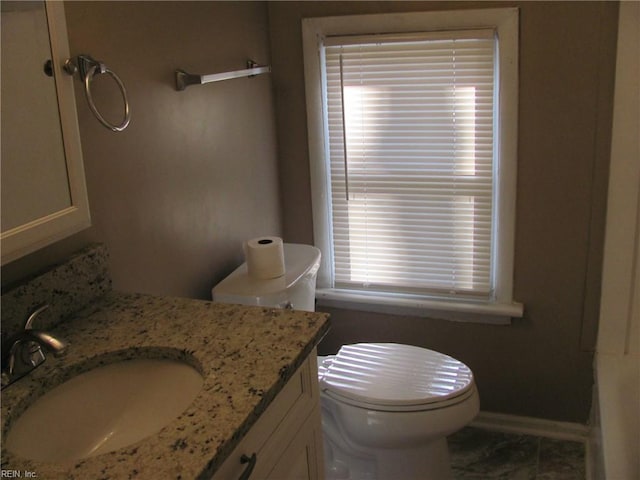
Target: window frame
501 307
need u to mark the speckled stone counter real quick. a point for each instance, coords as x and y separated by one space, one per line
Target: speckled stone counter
245 354
67 288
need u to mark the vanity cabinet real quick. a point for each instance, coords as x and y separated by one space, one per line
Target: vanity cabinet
287 438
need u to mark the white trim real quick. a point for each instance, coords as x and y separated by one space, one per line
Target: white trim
415 305
507 140
505 21
501 422
318 144
619 316
616 443
410 22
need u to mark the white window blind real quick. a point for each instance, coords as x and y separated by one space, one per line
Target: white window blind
411 151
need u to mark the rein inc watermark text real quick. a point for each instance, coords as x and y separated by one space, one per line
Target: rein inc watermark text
17 474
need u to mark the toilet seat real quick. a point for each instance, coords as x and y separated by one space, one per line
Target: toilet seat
395 378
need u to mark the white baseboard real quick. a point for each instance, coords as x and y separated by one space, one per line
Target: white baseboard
532 426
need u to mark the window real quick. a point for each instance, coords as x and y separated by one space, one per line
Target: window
412 130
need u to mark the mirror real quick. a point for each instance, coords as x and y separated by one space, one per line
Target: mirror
44 196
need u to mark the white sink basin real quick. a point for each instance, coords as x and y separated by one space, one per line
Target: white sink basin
104 409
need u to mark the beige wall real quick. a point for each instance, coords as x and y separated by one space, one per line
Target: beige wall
541 365
195 173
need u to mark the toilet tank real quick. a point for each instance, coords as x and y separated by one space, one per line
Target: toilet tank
295 289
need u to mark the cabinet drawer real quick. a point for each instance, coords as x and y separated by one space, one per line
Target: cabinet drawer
281 420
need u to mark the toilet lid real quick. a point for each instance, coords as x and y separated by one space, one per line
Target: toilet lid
390 374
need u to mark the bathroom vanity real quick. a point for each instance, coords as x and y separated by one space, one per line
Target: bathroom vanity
286 441
258 407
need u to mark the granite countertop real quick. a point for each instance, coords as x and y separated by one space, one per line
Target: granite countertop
246 355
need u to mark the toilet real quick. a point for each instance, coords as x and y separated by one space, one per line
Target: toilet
387 408
295 289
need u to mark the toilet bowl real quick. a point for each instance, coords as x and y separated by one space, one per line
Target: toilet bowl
386 408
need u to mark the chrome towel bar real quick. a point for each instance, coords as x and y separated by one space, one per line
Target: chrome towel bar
184 79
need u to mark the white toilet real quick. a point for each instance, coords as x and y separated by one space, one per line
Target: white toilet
386 408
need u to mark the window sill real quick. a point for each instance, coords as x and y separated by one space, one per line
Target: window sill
395 304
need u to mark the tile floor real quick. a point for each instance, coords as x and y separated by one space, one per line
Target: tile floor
478 454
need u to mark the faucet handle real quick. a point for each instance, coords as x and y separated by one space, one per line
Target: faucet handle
24 355
32 354
28 325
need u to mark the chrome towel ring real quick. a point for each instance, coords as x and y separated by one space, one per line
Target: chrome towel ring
88 68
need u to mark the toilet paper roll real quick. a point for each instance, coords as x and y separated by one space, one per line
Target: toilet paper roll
265 257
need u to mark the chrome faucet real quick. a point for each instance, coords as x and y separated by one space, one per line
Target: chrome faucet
23 352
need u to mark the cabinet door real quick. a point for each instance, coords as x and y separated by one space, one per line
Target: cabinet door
43 190
303 457
291 421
